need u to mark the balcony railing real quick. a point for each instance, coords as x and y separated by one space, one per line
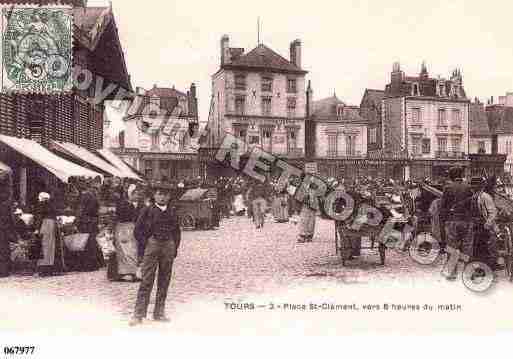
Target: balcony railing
335 154
450 154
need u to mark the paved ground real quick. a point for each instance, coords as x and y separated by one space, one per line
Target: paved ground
235 264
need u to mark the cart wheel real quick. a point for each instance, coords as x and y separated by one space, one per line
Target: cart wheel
508 239
188 221
382 253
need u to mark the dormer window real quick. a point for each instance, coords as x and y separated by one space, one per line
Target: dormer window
340 111
441 89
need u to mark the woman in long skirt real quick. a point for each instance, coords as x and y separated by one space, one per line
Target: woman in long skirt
128 256
52 261
91 259
307 220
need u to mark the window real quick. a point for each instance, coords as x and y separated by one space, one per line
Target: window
426 146
148 169
481 147
415 90
240 82
154 141
332 145
240 102
456 145
241 133
267 133
456 118
291 140
291 106
254 140
340 111
442 120
415 145
266 106
267 84
373 135
441 90
442 144
350 145
415 116
291 86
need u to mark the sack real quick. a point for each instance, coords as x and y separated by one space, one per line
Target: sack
76 242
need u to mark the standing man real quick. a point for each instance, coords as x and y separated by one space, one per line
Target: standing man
488 220
158 224
454 212
259 204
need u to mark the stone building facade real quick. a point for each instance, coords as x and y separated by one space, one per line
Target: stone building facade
427 118
260 98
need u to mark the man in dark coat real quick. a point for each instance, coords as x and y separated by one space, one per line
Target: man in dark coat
454 212
158 226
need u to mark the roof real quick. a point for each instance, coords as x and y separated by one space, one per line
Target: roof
164 92
263 58
96 30
478 121
373 96
326 108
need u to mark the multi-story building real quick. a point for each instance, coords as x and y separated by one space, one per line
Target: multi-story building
500 121
370 110
70 117
426 118
480 134
260 98
157 139
340 137
506 100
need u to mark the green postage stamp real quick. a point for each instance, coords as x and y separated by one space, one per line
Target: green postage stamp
37 47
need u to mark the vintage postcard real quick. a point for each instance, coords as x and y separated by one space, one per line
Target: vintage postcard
253 169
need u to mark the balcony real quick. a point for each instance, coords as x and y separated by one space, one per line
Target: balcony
450 154
335 154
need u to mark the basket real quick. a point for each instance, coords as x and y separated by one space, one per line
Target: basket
76 242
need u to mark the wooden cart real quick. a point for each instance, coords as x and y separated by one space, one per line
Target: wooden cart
196 209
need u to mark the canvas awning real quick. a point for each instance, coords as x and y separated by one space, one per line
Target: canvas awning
60 167
88 157
119 163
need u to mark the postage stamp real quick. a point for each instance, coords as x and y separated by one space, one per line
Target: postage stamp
37 46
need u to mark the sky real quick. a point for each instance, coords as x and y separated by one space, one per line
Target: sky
347 46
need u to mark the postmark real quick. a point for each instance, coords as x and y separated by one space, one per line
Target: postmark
37 46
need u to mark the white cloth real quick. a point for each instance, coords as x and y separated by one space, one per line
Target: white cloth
162 208
43 196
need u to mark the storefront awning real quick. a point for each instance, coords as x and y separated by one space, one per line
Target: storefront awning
88 157
60 167
119 163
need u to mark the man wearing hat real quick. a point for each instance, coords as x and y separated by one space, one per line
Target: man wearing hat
454 213
158 226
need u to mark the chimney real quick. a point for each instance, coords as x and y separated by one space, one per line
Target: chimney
309 100
193 101
295 52
396 77
225 50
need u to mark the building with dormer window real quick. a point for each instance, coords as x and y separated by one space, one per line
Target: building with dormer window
260 98
426 118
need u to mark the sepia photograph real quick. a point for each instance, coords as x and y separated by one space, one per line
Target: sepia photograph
253 169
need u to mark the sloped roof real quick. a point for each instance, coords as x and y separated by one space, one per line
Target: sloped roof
478 120
96 30
263 58
324 108
165 92
372 95
427 87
